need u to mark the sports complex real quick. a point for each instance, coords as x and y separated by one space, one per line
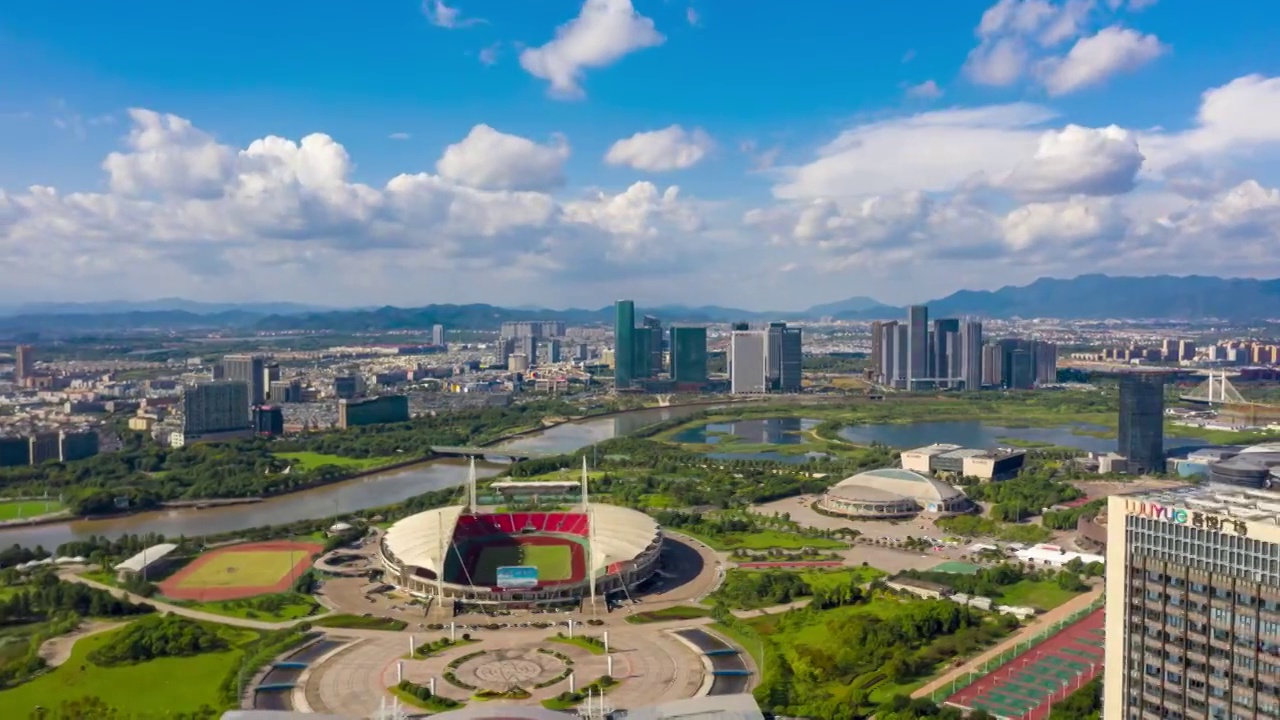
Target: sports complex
521 559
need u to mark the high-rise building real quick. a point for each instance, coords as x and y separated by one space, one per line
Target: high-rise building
917 345
786 357
285 391
653 362
1141 428
971 354
214 407
248 369
553 351
1046 355
528 346
581 352
346 387
940 367
901 356
888 369
877 351
749 362
688 354
1193 605
530 328
24 363
624 343
268 420
992 365
270 374
437 335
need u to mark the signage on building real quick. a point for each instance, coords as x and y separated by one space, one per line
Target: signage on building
1181 516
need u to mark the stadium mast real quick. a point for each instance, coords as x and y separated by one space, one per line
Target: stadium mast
591 536
471 486
444 558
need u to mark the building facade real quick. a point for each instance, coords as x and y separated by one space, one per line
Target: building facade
373 411
1193 606
971 354
688 354
917 345
250 370
1141 429
215 406
24 363
748 362
624 343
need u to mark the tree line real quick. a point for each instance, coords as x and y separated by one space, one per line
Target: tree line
144 474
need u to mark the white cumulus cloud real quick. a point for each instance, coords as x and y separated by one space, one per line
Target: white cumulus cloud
672 148
493 160
1079 161
603 32
1092 60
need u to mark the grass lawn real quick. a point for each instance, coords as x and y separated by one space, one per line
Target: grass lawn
821 579
1040 594
678 612
360 623
306 461
578 641
17 509
554 562
159 688
243 568
281 606
764 540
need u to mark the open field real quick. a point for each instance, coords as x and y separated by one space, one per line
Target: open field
240 571
17 509
157 688
1040 594
282 606
307 461
678 612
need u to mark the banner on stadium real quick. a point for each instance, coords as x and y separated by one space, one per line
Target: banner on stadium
517 576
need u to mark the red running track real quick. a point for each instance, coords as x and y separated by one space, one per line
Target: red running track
1072 637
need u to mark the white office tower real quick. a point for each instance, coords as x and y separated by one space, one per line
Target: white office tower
749 362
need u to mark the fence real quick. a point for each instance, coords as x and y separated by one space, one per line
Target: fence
1017 651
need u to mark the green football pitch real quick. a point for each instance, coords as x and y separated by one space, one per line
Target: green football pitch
554 562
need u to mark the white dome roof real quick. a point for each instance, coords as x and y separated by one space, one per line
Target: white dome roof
887 484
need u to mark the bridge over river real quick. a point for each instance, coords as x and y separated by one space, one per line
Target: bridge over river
481 453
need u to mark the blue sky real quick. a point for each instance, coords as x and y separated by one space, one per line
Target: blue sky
812 160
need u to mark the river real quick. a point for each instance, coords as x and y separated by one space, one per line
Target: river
343 497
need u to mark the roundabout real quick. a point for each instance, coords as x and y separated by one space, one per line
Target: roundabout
502 669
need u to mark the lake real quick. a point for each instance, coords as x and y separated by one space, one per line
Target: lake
978 434
757 431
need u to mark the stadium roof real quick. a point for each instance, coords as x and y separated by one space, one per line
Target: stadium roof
139 562
619 535
889 483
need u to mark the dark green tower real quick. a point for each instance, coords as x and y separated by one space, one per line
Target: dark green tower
689 354
624 343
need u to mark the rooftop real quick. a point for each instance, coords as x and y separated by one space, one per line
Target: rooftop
1253 505
146 557
936 449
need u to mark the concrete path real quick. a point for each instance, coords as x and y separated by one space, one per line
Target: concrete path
186 612
56 651
1040 624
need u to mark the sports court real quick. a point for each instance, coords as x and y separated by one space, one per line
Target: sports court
1022 687
241 571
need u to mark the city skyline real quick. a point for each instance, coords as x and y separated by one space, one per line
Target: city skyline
564 147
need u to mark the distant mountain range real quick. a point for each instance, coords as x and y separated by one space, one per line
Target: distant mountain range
1087 297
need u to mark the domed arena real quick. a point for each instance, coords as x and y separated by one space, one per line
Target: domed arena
891 493
476 560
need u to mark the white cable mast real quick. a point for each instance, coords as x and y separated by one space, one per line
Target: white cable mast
591 536
471 485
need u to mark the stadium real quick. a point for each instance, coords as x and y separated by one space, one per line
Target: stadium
468 559
893 493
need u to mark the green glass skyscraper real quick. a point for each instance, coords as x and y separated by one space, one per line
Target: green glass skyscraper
689 354
624 343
